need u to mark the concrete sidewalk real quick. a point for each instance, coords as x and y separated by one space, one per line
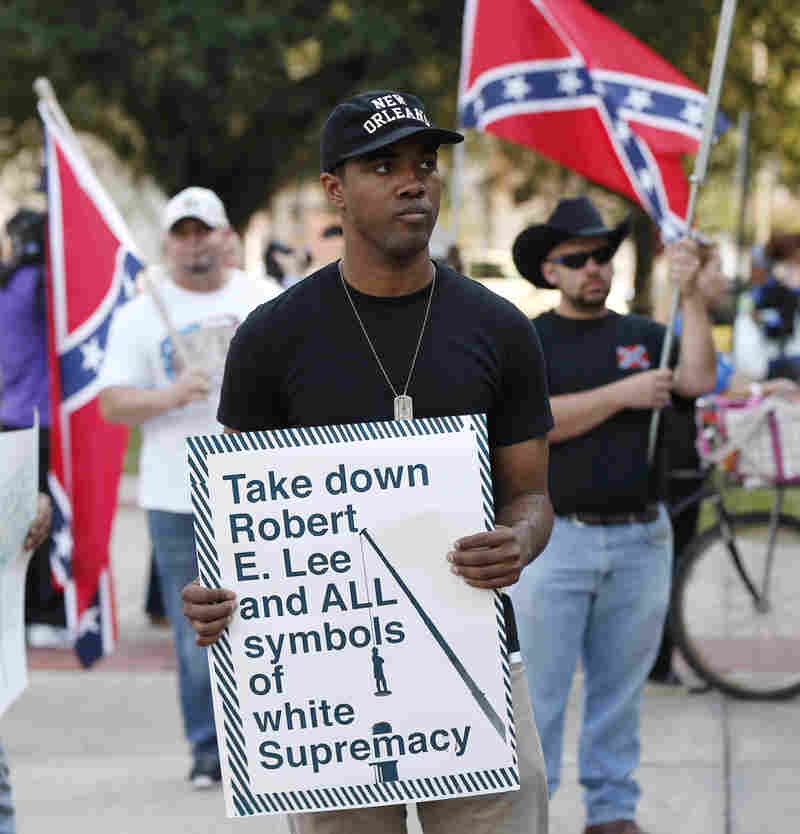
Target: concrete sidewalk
103 751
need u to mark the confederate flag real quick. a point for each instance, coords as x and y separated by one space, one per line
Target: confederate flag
561 78
91 271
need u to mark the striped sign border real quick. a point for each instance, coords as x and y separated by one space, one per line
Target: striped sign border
247 803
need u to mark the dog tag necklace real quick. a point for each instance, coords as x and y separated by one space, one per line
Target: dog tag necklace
403 404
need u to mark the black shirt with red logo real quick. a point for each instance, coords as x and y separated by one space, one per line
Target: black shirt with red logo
604 470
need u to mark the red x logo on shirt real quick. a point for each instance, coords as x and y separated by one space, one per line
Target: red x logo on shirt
633 357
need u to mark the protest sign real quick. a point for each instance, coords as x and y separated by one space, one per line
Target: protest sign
19 479
358 669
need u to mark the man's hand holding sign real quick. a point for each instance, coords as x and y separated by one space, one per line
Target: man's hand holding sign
496 558
209 610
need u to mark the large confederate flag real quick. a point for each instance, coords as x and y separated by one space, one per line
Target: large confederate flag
91 271
561 78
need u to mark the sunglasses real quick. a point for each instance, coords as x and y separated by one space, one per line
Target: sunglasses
578 259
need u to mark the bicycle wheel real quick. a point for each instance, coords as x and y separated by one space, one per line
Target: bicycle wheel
745 649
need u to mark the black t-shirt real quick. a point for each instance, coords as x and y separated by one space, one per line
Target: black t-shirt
605 469
301 359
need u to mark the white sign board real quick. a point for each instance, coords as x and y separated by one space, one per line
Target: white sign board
358 669
19 479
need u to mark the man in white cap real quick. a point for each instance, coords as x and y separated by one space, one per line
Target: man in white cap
163 370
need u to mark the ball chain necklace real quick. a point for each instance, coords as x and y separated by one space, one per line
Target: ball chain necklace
403 404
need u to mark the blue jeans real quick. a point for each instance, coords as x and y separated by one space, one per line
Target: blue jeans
598 593
172 536
7 818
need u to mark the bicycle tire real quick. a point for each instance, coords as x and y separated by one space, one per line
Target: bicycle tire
715 624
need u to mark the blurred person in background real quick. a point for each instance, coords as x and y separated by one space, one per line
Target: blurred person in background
24 374
163 370
767 327
286 264
233 258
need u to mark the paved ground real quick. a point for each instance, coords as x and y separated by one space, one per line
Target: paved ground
102 752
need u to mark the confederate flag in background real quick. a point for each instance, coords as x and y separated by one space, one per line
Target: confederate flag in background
91 271
561 78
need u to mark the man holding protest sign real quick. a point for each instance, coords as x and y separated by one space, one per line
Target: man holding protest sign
412 339
162 369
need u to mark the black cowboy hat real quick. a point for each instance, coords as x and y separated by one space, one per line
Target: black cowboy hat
573 218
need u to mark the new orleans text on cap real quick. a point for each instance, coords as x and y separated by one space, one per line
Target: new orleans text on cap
392 108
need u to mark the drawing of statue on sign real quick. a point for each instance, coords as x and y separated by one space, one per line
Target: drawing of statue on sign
381 687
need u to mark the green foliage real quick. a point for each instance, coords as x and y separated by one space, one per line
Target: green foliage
232 95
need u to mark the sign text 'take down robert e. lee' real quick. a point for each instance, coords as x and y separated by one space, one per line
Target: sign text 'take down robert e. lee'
244 525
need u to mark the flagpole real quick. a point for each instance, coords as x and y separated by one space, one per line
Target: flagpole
698 177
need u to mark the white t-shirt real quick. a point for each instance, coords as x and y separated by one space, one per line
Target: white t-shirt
140 353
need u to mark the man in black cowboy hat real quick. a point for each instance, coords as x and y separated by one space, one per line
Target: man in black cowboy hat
599 591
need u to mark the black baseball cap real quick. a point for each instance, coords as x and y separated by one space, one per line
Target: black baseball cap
369 121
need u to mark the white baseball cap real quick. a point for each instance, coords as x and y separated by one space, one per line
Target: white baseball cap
200 203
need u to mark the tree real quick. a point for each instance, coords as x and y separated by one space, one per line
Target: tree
233 95
230 96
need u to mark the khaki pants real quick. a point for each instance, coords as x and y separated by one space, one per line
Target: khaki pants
516 812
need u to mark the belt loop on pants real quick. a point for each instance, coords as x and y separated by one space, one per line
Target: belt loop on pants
645 516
